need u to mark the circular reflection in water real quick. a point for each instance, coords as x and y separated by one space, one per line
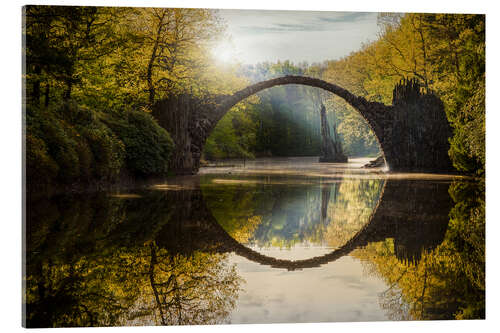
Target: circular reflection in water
292 217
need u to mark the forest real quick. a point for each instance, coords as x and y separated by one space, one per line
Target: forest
92 75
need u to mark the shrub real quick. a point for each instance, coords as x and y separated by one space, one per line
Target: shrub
60 140
107 150
39 165
70 144
467 146
147 145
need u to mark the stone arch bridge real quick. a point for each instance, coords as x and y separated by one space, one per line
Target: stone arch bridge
412 133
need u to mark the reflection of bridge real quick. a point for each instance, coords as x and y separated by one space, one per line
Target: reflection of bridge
413 213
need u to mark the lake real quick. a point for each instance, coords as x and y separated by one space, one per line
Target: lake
275 240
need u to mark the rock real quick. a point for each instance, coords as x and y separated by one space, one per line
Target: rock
379 162
331 149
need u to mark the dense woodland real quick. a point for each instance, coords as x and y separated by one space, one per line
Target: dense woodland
93 73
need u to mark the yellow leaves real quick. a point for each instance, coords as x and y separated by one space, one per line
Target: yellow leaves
446 283
247 230
354 203
222 80
176 40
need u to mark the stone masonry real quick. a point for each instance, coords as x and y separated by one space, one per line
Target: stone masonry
412 133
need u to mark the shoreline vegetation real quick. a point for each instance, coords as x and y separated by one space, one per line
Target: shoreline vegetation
93 74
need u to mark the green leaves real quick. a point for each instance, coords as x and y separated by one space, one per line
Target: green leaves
70 144
147 145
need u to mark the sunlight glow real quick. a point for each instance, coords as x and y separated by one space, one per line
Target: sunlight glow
225 52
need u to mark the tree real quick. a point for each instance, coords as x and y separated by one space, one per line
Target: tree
445 53
60 40
170 47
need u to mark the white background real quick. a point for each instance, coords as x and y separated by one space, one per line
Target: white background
10 156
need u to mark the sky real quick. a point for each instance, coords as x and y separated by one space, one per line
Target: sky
338 291
262 35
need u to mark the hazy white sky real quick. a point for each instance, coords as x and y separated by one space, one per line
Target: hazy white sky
338 291
260 35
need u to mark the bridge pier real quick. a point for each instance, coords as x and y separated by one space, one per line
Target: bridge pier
416 131
184 117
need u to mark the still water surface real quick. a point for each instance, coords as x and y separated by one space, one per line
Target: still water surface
267 241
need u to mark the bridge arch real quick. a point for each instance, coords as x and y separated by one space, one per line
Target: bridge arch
373 112
231 245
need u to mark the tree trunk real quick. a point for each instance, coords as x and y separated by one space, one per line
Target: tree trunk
47 91
67 91
149 74
36 86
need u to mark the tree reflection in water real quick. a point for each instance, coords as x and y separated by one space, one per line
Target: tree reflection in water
428 249
196 290
93 261
281 214
161 258
448 281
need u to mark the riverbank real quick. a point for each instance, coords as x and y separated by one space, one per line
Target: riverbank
308 167
311 167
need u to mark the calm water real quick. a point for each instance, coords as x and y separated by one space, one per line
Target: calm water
273 240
